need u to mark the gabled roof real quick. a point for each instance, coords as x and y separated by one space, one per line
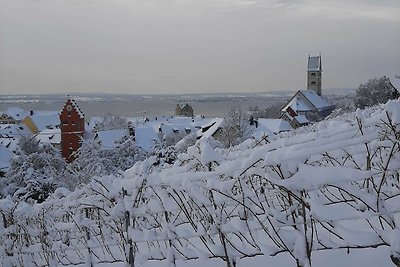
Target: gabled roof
210 128
298 104
78 109
75 106
307 100
318 102
395 82
314 63
51 136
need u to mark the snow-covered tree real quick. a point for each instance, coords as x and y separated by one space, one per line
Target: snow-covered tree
164 153
375 91
111 122
236 127
35 171
95 160
174 137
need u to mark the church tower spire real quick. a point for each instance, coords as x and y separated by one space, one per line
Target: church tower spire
314 74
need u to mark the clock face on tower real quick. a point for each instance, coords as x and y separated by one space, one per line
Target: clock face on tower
69 107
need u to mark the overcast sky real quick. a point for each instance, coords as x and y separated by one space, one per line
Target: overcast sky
193 46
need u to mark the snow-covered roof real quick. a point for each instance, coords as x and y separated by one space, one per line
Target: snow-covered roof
45 119
273 125
302 119
314 63
147 132
212 126
317 101
5 157
109 138
395 81
78 109
16 113
298 104
13 130
75 106
307 100
146 136
52 136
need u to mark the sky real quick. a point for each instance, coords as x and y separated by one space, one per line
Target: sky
193 46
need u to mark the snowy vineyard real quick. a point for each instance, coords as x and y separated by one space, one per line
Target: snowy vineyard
331 185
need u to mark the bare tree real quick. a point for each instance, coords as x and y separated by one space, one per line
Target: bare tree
236 127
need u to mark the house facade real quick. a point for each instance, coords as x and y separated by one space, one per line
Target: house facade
184 110
307 104
72 124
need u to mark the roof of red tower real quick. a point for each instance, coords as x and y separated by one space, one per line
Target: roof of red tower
75 106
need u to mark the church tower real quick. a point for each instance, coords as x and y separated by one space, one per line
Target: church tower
72 122
314 74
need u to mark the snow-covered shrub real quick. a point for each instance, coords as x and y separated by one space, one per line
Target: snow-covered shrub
92 160
35 171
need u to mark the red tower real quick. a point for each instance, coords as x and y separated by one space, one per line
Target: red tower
72 121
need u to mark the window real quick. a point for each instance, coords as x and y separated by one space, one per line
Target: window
313 83
313 74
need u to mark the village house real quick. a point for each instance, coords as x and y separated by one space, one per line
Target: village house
184 110
13 115
214 129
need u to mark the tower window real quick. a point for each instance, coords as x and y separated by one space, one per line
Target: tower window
313 83
313 73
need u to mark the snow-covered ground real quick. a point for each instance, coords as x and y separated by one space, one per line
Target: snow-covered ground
324 195
334 258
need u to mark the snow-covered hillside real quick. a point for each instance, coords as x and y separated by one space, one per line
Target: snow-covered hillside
298 198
